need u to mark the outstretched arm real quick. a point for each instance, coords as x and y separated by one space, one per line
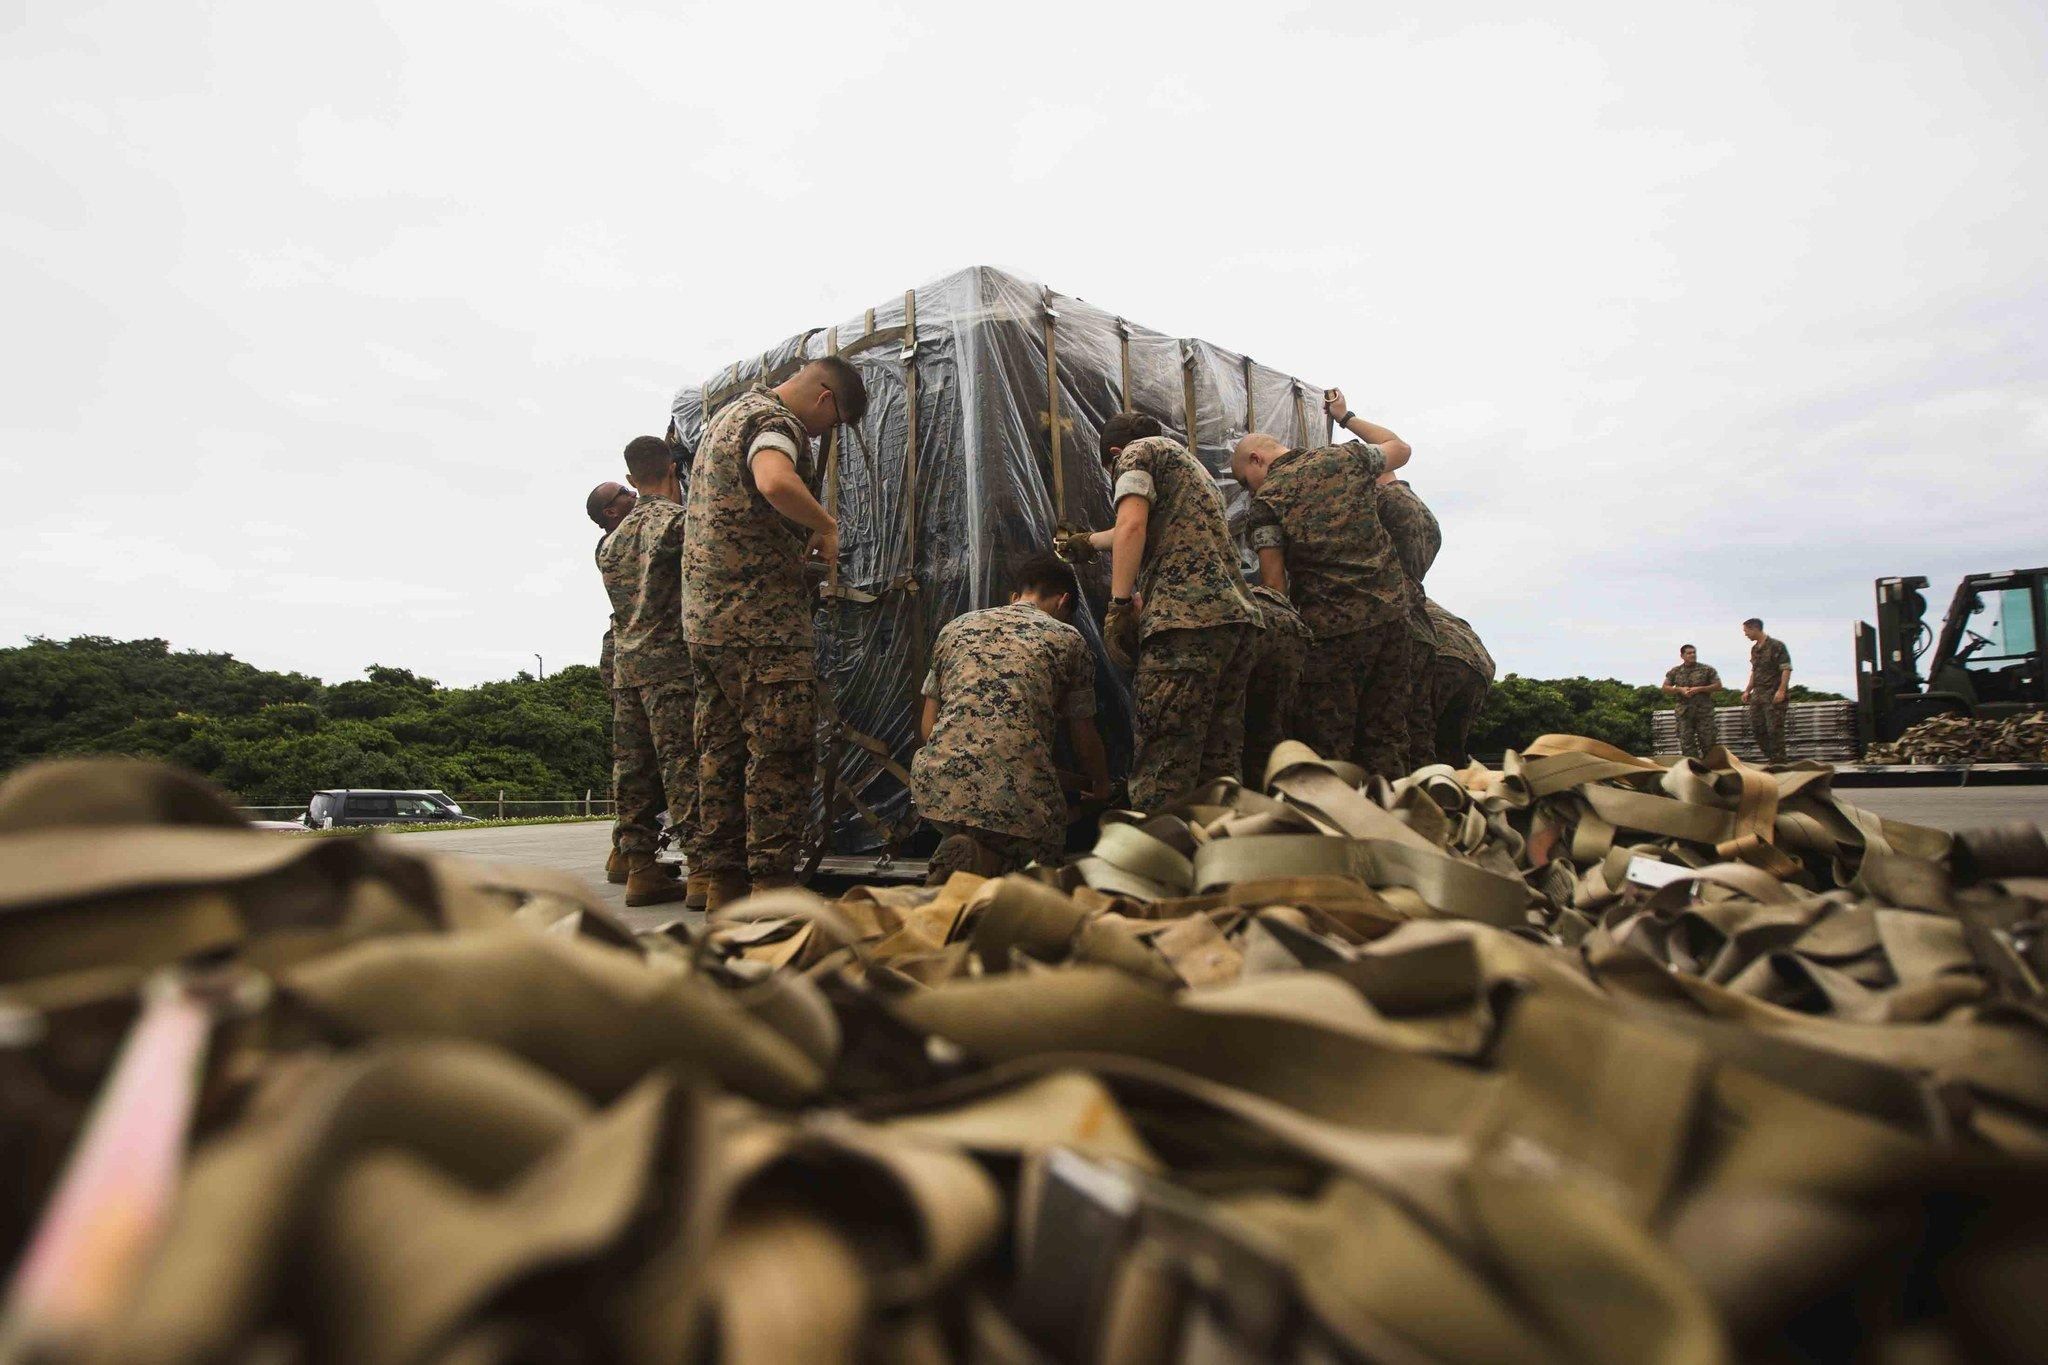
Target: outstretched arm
1396 450
1127 544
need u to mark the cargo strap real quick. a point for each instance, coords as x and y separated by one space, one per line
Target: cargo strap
1123 336
1052 411
1187 396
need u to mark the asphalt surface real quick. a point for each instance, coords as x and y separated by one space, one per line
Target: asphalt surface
580 849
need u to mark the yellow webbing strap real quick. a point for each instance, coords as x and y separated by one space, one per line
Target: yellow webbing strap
1052 412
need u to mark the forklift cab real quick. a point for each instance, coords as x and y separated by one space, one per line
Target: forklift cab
1990 646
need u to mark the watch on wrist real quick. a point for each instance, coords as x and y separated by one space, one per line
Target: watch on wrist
1119 601
1345 420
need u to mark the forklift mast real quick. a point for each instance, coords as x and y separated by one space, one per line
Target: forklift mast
1987 659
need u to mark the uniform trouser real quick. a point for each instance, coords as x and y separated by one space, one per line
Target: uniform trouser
1421 745
654 764
756 755
1696 730
1270 694
1190 688
1767 729
1354 698
1457 691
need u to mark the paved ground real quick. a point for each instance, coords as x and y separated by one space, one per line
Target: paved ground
581 848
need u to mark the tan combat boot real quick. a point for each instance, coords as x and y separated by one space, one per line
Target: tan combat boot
615 867
778 882
648 884
699 888
723 888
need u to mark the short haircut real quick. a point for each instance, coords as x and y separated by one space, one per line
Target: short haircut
1756 621
649 457
1126 427
846 384
1694 648
1043 573
598 500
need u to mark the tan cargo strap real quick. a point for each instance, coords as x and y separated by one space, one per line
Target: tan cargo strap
1187 396
1052 410
831 588
1251 421
1123 337
1301 410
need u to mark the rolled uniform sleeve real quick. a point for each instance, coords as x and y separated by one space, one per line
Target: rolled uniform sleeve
931 684
1713 679
1784 656
1133 474
1671 677
1263 531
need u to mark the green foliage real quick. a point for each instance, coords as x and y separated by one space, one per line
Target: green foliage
275 738
1519 709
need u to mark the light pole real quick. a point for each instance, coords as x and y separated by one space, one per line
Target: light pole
540 667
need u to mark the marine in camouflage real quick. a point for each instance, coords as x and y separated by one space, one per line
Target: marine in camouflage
1695 715
1320 509
1273 682
1005 679
1196 625
1190 579
1459 680
757 715
1768 659
743 583
1417 537
654 755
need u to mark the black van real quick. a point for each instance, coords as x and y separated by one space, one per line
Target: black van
356 806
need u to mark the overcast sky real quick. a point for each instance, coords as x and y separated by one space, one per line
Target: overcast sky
319 321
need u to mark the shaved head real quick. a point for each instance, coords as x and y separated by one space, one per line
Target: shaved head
608 504
1253 456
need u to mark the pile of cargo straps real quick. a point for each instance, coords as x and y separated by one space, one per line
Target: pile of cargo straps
1958 739
1589 1058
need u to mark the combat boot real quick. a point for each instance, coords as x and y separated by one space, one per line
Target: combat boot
648 884
961 853
699 889
615 867
777 882
723 888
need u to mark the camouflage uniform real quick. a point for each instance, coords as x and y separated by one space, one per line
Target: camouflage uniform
1320 509
1695 714
654 752
1767 659
1273 682
1197 626
747 615
1463 673
1417 538
1004 679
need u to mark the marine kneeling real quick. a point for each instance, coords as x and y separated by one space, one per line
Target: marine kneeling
1001 682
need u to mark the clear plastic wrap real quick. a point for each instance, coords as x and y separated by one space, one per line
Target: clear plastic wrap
929 533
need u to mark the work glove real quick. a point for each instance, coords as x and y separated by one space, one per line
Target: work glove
1120 634
1075 547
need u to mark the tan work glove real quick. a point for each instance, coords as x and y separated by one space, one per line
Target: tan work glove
1075 547
1120 634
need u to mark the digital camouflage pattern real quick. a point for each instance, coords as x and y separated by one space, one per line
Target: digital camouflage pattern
1320 509
757 759
1190 710
1190 577
604 660
654 756
1412 526
1768 658
994 853
1355 692
1004 678
642 564
1273 681
1456 640
743 582
1695 715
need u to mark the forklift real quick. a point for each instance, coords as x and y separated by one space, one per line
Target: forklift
1986 662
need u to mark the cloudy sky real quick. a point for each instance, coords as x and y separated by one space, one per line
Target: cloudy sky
320 320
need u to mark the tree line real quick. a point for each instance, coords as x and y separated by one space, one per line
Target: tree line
275 738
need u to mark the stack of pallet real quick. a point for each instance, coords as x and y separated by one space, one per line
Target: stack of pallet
1824 730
